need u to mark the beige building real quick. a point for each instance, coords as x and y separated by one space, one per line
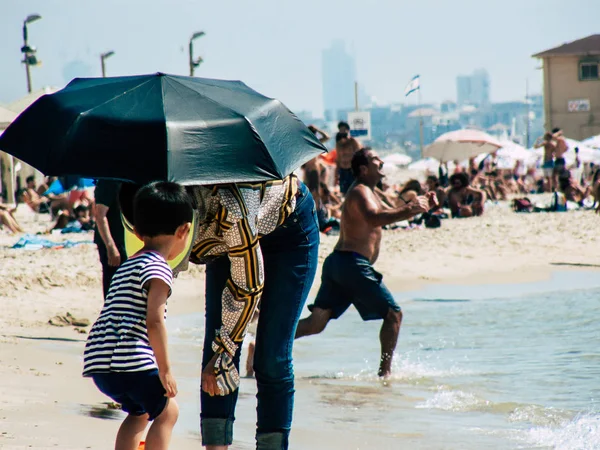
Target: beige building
572 87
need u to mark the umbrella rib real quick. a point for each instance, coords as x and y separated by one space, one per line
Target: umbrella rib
116 97
205 98
210 82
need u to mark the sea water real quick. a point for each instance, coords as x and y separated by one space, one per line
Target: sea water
477 367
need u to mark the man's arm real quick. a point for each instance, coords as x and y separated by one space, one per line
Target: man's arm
478 194
376 217
324 136
114 257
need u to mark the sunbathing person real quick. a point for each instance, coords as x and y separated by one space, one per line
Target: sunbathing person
572 189
39 203
433 185
8 220
464 200
410 191
81 219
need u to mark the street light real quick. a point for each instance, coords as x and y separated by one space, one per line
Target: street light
29 57
194 63
104 56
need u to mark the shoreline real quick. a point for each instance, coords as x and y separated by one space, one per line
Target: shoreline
46 403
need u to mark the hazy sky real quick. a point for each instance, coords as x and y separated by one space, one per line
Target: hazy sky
275 45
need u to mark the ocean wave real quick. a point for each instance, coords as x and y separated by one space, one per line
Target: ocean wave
457 401
403 370
581 433
540 415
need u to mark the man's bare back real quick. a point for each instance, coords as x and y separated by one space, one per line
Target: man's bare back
561 146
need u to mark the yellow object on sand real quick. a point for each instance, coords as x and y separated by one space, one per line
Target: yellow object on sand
133 244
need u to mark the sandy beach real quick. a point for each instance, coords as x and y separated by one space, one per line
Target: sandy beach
44 401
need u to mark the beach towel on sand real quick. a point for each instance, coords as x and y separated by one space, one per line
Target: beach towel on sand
33 242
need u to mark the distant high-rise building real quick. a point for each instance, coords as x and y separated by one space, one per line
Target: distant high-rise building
339 75
473 89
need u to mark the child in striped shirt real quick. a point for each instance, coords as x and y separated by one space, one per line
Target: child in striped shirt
126 351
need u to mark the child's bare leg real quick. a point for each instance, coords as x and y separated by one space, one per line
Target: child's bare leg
159 434
250 360
131 432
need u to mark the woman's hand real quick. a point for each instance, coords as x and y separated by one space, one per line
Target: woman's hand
209 379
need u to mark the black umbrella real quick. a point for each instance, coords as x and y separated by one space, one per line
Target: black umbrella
161 127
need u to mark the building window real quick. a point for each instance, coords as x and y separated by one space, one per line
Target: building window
588 70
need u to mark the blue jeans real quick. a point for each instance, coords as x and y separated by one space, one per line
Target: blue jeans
290 259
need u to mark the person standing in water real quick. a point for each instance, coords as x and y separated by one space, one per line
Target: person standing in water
348 276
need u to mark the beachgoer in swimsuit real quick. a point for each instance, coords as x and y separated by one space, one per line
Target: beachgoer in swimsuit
411 190
548 161
433 185
8 220
42 204
573 191
346 147
464 200
317 164
560 164
348 276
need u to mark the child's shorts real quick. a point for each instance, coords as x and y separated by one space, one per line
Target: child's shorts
138 392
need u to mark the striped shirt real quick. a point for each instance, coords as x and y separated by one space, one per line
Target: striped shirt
118 341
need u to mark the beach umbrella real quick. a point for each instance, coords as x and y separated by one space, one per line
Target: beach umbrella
397 159
425 165
461 145
593 142
161 127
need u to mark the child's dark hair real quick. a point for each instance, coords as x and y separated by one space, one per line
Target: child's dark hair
159 208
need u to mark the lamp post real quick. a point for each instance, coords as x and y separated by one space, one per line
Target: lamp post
29 57
197 62
103 57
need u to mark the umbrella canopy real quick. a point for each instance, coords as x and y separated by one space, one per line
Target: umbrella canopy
428 165
397 159
593 142
161 127
460 145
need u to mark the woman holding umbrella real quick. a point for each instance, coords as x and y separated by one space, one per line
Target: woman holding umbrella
260 244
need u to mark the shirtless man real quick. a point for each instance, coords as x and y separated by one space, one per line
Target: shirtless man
346 148
348 276
548 162
560 165
316 164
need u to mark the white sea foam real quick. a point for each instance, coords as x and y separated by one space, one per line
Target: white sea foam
582 433
455 401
